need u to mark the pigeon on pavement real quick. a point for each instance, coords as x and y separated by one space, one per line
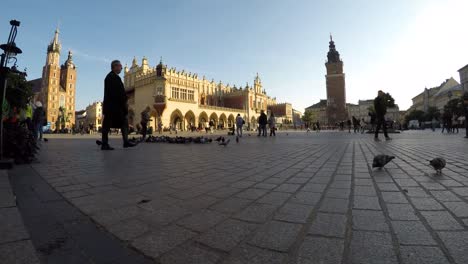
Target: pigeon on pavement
381 160
438 164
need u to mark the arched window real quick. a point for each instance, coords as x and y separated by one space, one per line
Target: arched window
62 101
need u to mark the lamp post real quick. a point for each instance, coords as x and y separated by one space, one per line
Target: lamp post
9 52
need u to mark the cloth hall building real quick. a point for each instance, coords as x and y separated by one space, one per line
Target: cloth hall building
181 99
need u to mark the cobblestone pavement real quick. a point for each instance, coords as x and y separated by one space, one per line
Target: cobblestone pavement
296 198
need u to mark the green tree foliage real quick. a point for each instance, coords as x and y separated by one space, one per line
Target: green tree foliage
432 113
19 91
62 119
389 99
454 107
308 117
415 115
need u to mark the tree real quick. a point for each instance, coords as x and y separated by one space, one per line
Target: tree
415 115
19 91
62 119
432 113
454 107
308 117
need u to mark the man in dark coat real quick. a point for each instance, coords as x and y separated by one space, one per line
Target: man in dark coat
380 106
114 107
262 122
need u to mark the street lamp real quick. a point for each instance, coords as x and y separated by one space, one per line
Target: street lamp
10 50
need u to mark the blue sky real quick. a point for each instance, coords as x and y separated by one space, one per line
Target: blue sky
399 46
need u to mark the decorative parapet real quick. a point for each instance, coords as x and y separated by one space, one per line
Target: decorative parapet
211 107
182 101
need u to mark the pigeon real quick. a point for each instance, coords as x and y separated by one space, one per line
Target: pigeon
438 164
46 140
219 139
225 143
381 160
237 139
98 142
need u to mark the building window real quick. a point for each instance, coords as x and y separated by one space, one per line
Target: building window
71 76
70 85
190 95
159 91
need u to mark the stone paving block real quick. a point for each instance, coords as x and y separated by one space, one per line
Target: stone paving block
224 192
363 182
338 193
303 197
372 247
460 209
275 198
298 180
314 187
366 202
231 205
161 241
191 253
256 212
254 255
456 243
288 187
227 234
334 205
463 191
112 216
276 235
341 184
319 180
426 204
406 183
202 220
394 197
329 225
320 250
251 193
417 192
441 220
163 216
365 191
412 233
369 221
387 187
19 252
295 213
11 227
128 229
422 255
266 186
242 184
445 196
401 212
450 183
7 199
432 186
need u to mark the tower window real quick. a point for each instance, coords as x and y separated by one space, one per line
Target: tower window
71 76
70 85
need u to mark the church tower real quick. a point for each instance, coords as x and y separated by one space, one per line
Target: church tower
336 93
51 80
58 85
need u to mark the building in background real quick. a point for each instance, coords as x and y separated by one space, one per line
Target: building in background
362 109
182 100
437 96
94 116
319 111
283 112
464 77
57 86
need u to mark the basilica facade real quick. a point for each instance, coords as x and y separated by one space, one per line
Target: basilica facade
181 99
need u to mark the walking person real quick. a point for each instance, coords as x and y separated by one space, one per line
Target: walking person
114 107
38 120
380 106
239 124
145 118
362 124
348 123
160 127
262 122
272 124
318 126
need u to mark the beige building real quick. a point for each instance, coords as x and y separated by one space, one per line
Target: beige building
182 99
464 77
94 116
320 111
283 113
437 96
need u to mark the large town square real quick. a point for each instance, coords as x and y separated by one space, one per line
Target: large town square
248 132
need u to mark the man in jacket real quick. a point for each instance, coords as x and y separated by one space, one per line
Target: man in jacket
114 107
239 124
262 122
380 106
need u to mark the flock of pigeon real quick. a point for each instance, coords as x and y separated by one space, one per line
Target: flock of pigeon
381 160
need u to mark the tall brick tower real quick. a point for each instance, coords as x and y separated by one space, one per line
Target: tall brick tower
336 93
58 85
